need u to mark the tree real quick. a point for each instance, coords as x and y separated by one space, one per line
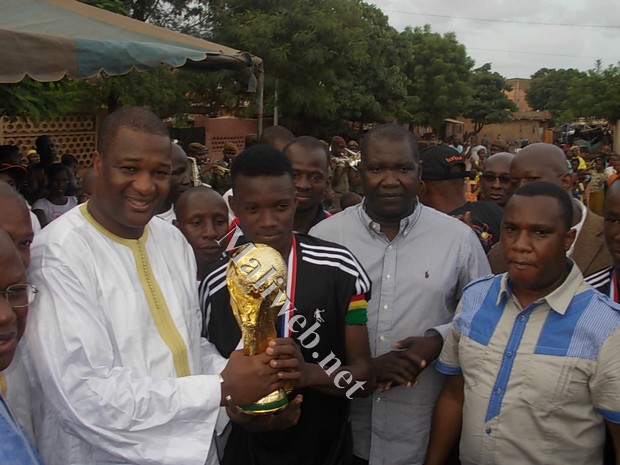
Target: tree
115 6
377 87
595 94
489 103
331 60
187 16
32 99
549 89
438 71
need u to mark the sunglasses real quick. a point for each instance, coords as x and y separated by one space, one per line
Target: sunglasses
490 178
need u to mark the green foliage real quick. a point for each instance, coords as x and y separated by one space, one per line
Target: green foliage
31 99
167 92
115 6
438 70
489 103
157 88
595 94
549 89
340 59
313 50
187 16
569 94
375 86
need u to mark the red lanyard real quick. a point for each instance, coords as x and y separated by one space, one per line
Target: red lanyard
291 284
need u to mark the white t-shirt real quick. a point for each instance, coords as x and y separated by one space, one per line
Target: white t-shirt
168 216
53 211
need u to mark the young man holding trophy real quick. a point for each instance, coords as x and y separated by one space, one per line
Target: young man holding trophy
314 292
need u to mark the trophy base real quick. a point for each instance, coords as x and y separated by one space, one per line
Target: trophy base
271 403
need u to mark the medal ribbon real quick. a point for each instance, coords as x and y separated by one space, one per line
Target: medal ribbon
290 289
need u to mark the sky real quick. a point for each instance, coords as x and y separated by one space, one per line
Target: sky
510 34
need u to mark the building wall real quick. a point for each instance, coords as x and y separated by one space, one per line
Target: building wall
74 134
525 123
517 94
515 130
218 131
77 134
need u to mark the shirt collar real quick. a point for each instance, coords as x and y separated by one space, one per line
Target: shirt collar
109 234
406 223
559 299
578 227
320 216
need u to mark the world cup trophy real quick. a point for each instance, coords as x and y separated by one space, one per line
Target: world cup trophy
256 280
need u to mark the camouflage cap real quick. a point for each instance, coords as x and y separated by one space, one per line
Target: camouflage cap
196 148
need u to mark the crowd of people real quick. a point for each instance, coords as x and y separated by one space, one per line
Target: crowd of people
444 304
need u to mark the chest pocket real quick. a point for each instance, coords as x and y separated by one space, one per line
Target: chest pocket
551 382
476 363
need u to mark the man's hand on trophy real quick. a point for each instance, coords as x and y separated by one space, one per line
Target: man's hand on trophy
292 368
246 379
275 421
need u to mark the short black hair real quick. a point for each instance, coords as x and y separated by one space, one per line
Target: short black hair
547 189
260 160
10 154
195 190
392 132
51 171
136 118
275 135
309 143
41 142
68 159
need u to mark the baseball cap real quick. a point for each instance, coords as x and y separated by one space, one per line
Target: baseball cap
441 162
16 171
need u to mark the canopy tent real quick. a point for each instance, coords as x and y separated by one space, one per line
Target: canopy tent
48 39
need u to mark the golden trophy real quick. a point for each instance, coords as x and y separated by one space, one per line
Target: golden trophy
256 280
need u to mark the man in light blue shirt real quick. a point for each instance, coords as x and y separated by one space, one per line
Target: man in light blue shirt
532 358
419 261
